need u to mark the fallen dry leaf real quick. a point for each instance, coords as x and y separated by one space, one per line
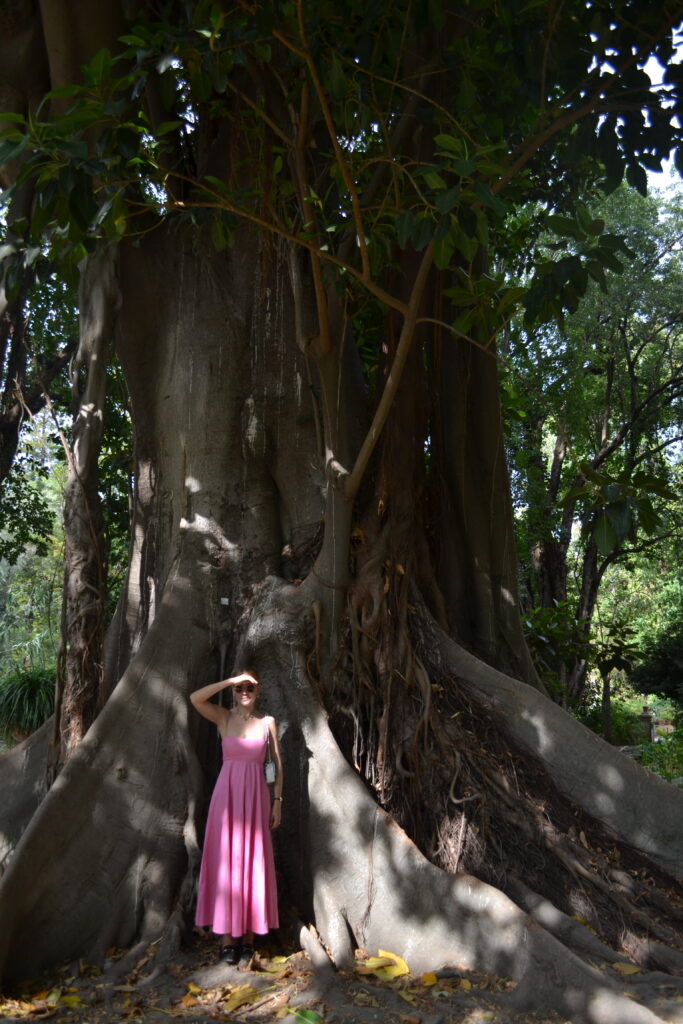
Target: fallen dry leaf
71 1001
243 995
409 997
386 966
428 979
623 968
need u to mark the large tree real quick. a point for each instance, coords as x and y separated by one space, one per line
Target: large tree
285 216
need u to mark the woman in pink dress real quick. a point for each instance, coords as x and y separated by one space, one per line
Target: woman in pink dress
237 893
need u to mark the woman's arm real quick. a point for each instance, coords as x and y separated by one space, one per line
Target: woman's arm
276 812
201 699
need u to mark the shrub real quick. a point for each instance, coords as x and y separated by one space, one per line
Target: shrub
26 701
627 726
665 757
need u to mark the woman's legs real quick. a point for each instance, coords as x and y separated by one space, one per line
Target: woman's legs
234 940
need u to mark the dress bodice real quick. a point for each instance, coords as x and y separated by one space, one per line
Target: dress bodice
240 748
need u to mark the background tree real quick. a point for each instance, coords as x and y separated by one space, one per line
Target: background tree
597 442
249 192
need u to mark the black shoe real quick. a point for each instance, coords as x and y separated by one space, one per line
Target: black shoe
230 955
246 956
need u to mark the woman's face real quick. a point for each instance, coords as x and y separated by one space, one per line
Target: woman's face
245 695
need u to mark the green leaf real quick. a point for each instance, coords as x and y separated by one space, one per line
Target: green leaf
132 40
65 92
447 200
654 484
405 223
637 177
100 65
167 126
592 474
467 219
11 148
449 142
612 263
306 1016
217 183
597 272
461 297
422 233
612 491
620 517
434 180
484 193
464 167
604 535
564 226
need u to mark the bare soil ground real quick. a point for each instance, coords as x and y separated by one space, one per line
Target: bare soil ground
281 985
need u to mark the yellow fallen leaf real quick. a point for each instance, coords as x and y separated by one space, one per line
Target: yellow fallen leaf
188 1000
623 968
465 984
409 997
428 979
399 961
386 967
373 963
243 995
277 970
71 1001
193 989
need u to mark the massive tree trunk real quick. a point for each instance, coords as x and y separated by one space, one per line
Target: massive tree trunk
433 805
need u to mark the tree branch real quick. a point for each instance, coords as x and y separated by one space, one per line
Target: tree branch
352 482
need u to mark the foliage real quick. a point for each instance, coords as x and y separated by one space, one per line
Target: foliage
665 756
31 569
626 723
26 701
26 517
554 636
661 670
598 415
102 161
30 594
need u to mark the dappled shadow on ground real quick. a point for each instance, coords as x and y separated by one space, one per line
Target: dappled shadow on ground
282 985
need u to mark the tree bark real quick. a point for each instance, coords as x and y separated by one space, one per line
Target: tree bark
475 510
80 691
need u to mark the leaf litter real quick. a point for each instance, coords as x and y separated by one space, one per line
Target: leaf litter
196 989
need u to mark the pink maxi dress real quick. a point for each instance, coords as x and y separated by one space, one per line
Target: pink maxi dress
237 891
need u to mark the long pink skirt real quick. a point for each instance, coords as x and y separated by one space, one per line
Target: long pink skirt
237 891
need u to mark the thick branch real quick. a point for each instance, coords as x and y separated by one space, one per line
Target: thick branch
394 377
